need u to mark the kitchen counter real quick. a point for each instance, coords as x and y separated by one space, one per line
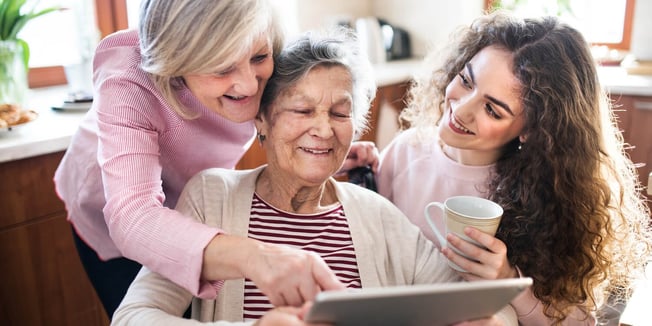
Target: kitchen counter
617 81
52 131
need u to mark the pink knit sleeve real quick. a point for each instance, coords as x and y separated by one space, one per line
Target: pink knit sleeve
140 226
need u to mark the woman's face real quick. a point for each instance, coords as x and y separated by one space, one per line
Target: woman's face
235 92
310 128
483 107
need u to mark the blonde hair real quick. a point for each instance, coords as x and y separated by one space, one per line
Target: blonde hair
179 37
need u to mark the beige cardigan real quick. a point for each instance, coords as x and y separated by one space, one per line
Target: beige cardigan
389 250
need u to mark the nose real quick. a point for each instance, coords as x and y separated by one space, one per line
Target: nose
246 80
321 125
465 107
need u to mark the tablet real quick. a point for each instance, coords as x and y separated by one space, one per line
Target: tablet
424 304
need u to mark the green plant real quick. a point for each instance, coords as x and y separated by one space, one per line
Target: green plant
13 18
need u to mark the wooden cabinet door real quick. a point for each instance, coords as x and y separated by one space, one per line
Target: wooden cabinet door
635 119
44 282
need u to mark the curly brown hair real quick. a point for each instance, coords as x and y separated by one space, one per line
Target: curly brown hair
572 202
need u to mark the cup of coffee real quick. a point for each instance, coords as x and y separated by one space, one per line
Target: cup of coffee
461 211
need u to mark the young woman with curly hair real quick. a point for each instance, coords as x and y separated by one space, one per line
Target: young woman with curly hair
514 112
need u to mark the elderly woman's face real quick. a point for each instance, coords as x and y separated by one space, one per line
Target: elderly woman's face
310 128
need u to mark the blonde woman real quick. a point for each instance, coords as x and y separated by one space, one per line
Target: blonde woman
173 98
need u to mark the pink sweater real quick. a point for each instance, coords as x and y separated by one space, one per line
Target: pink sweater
414 172
129 161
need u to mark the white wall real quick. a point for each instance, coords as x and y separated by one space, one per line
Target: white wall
314 14
641 45
428 22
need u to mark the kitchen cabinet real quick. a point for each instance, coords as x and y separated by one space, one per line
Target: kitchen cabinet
392 95
43 281
634 115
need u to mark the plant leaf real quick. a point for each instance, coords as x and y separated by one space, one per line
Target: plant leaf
11 15
12 21
3 9
26 53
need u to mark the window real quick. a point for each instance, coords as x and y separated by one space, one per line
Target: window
54 38
603 22
62 37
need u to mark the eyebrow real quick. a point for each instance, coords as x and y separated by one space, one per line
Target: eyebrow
494 100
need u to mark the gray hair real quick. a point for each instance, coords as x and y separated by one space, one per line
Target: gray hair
179 37
335 47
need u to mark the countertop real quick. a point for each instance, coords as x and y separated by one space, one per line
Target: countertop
52 130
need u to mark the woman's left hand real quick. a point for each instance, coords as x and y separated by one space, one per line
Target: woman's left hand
490 263
362 153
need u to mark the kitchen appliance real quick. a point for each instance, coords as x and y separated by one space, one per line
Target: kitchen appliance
396 41
371 39
381 40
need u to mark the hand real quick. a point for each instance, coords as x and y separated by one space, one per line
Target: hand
287 276
490 263
285 316
361 153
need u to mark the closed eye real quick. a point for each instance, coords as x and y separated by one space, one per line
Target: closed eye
340 114
302 111
260 58
225 72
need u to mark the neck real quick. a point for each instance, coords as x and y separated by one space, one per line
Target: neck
289 195
470 157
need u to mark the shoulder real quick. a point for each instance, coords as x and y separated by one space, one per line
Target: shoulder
412 142
226 178
357 198
118 55
128 37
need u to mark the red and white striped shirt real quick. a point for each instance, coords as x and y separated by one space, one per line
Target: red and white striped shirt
326 233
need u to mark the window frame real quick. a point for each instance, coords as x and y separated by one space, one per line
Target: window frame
624 44
111 16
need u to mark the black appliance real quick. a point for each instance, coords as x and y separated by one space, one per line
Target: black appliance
396 41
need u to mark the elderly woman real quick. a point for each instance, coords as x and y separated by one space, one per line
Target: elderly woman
315 102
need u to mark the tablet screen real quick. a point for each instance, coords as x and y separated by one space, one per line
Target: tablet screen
424 304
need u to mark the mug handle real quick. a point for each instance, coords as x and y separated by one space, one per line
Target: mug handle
433 226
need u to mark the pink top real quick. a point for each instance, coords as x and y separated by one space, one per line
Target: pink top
129 161
415 171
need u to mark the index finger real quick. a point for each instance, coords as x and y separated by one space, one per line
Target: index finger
489 241
324 276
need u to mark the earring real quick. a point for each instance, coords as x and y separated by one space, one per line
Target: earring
520 146
261 137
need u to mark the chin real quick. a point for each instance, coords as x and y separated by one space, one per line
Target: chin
240 116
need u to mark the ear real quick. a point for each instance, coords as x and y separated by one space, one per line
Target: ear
522 138
261 124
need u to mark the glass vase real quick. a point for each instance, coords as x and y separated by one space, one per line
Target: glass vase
13 73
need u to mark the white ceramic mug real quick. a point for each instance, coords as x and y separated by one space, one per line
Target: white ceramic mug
461 211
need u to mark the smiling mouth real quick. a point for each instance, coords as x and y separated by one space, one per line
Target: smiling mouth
316 151
235 98
456 126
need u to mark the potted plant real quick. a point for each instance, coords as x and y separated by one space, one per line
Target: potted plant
14 52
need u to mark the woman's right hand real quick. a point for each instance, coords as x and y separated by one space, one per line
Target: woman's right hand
287 276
